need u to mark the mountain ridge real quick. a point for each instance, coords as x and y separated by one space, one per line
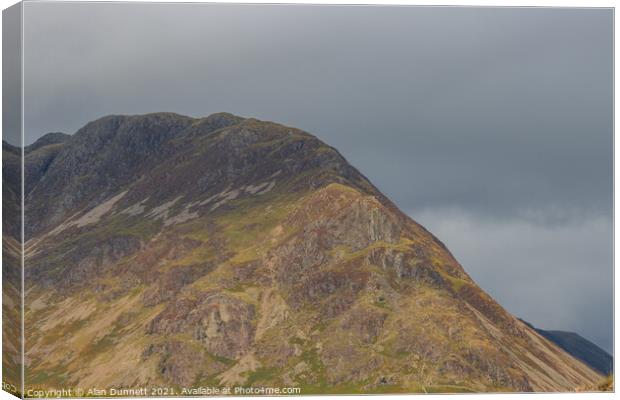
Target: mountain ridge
580 348
248 248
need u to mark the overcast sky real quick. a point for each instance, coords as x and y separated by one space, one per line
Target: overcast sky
492 127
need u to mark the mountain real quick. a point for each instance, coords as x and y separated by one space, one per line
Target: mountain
11 266
47 140
580 348
168 251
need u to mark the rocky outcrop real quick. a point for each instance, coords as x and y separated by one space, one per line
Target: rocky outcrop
177 362
168 284
223 324
76 264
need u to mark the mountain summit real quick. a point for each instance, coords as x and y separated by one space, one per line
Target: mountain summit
164 250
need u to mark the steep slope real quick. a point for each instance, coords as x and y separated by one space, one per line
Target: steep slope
580 348
40 155
166 250
11 267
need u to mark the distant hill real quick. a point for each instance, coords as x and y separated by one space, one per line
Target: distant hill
580 348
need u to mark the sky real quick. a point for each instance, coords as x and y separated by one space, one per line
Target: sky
490 126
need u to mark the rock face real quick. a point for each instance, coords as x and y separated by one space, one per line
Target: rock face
166 250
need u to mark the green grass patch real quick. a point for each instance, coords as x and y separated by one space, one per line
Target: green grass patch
261 375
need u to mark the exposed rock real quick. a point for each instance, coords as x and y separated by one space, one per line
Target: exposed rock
170 283
224 325
177 361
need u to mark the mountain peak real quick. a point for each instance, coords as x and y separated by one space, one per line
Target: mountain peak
48 139
224 116
231 150
111 125
213 122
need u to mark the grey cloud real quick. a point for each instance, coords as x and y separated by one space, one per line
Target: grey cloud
505 113
556 277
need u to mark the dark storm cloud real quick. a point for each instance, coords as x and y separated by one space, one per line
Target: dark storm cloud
503 113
